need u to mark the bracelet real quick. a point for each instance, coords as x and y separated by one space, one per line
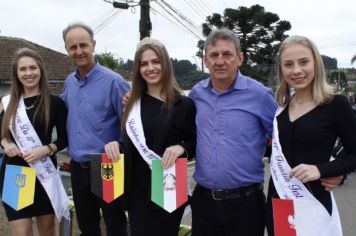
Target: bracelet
51 151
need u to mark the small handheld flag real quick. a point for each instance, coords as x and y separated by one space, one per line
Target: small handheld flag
294 218
107 177
169 187
19 186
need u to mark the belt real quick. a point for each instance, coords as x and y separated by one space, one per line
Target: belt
84 165
244 191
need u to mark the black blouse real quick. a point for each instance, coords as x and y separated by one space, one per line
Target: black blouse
57 118
162 128
311 138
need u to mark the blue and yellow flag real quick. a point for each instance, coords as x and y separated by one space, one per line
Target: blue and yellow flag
19 186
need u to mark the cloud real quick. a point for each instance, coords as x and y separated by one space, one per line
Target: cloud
330 25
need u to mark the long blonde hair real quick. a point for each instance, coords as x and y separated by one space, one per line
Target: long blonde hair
17 89
322 92
170 86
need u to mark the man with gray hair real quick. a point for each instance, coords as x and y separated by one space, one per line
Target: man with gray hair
234 118
93 96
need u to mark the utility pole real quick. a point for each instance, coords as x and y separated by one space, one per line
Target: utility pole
145 22
145 26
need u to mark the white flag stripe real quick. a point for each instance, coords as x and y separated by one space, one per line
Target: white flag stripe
169 189
305 219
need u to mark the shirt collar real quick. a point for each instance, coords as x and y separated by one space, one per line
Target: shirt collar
239 84
91 73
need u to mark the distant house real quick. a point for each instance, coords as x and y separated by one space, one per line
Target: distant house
58 65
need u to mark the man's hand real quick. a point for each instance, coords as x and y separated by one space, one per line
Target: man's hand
331 183
170 155
112 150
126 98
305 173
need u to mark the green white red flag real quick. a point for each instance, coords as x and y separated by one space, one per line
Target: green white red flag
169 187
107 177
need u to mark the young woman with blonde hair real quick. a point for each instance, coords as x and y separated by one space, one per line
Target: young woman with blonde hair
309 120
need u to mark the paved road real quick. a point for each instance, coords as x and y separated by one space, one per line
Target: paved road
345 198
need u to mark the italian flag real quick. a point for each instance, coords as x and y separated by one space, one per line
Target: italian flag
169 187
107 177
294 218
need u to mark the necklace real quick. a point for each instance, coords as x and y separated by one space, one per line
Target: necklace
30 107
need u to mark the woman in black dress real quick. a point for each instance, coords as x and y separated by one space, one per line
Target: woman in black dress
29 81
312 119
168 121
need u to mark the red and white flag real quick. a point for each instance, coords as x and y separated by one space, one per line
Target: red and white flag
294 218
169 187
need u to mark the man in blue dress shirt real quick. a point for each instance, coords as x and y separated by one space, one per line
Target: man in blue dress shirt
234 118
93 96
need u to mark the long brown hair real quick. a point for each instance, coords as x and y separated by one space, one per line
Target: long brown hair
170 86
17 89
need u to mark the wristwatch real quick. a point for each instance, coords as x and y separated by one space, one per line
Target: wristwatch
51 151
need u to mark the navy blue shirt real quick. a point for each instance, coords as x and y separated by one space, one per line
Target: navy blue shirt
94 110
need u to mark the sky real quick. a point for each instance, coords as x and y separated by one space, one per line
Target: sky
330 24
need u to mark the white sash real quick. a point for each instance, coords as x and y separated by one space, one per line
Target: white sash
134 130
27 139
294 189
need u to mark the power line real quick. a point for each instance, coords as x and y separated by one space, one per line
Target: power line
101 26
196 10
192 11
192 37
180 15
202 9
201 3
154 11
180 22
97 26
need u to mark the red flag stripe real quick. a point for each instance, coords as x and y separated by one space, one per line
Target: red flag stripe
283 211
108 185
181 181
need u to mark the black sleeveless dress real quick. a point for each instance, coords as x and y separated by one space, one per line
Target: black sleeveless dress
58 117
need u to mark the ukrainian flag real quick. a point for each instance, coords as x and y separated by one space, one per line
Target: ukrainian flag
19 186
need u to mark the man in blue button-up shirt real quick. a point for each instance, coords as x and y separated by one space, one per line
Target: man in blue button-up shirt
234 118
93 96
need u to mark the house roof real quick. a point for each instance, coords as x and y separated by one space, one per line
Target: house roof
58 65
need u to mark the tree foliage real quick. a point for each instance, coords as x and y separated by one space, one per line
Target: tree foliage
186 73
108 60
353 59
329 63
260 33
339 80
126 65
183 67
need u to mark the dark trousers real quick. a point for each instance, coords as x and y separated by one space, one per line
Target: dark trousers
241 216
87 206
148 219
269 217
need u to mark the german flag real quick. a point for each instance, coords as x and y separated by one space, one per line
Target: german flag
107 177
